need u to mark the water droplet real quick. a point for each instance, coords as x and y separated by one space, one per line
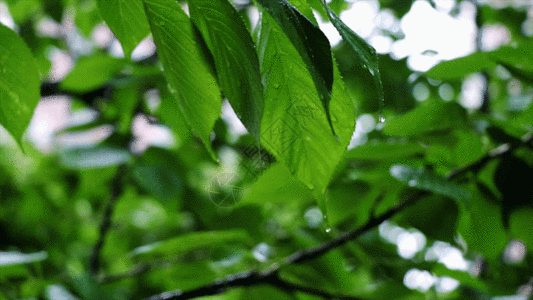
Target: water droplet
412 182
328 230
381 119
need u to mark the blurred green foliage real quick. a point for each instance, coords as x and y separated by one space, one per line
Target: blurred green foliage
124 219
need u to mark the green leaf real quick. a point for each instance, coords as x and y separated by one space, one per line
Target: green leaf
236 61
127 20
189 80
429 181
438 115
187 74
19 83
310 42
365 53
482 228
517 59
91 72
277 185
93 157
383 151
521 226
294 128
17 258
460 67
435 216
158 172
189 242
350 199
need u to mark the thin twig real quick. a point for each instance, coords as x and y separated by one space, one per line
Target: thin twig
116 191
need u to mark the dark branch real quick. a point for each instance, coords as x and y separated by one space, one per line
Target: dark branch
271 276
116 191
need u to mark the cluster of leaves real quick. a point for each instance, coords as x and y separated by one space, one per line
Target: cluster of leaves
101 221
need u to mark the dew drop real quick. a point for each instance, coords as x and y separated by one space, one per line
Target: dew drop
328 230
381 119
412 182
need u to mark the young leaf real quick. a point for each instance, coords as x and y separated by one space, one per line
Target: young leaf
310 42
426 180
188 76
236 61
127 20
19 83
294 128
363 51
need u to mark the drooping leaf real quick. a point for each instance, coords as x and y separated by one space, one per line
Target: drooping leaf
189 242
294 128
17 258
365 53
312 45
91 72
19 83
427 180
127 20
188 76
438 115
236 61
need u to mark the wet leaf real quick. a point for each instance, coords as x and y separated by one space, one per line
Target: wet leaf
127 20
295 129
312 45
365 53
19 83
190 82
236 62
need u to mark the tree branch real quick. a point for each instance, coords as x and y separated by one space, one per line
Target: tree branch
116 191
270 276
